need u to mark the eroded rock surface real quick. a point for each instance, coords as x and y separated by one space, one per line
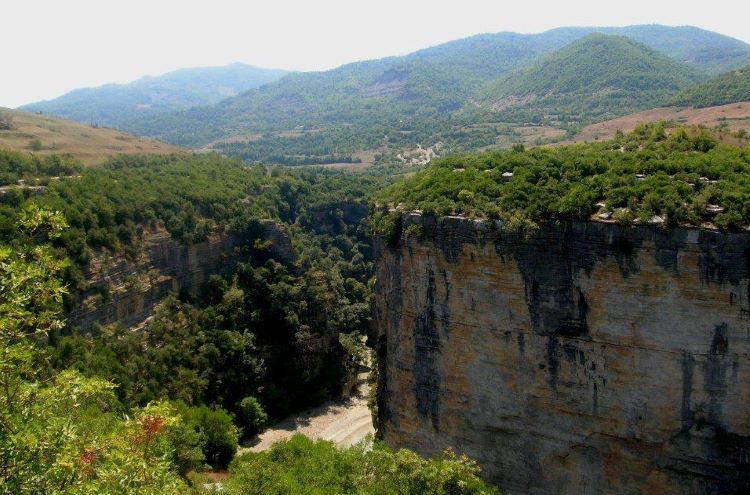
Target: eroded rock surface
126 290
585 358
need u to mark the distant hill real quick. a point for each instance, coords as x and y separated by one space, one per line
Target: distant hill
42 134
595 77
113 104
707 51
367 101
731 87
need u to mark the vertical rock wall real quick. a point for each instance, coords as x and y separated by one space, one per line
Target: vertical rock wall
126 290
586 358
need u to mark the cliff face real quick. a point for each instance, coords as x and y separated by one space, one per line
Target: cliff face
586 358
126 290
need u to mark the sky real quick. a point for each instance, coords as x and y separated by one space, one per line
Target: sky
54 46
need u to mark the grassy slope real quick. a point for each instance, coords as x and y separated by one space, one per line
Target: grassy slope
58 136
732 118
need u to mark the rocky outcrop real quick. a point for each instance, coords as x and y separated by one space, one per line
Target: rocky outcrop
584 358
124 290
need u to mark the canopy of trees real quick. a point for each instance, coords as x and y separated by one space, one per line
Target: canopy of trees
683 177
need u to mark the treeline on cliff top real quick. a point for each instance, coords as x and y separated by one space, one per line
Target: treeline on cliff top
656 174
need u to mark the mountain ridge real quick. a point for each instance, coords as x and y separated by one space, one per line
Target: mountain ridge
427 83
112 104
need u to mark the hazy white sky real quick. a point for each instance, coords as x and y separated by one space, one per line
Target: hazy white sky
53 46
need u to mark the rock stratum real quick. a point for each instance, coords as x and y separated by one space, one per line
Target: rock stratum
583 358
121 289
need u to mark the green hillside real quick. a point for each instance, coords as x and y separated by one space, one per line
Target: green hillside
709 52
731 87
113 104
597 77
429 83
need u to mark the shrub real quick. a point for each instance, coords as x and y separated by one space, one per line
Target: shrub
302 466
221 439
251 416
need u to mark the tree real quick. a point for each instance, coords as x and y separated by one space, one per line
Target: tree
221 439
58 432
252 418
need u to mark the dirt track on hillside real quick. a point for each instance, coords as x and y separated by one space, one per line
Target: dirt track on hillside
735 115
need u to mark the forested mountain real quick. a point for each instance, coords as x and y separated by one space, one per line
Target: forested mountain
731 87
431 82
710 52
113 104
595 77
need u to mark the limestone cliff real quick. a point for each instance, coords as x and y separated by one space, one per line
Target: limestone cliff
583 358
119 289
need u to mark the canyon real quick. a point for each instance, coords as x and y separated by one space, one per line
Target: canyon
578 358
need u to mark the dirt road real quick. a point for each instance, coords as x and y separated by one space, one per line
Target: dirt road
344 422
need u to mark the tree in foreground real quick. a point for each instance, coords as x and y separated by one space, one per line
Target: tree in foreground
59 432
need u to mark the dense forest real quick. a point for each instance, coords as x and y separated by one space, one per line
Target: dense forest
260 342
727 88
34 169
656 174
595 78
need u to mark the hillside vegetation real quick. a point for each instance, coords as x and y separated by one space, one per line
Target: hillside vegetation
44 135
430 83
301 467
114 104
649 176
727 88
593 78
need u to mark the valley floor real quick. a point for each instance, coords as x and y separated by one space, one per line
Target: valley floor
345 422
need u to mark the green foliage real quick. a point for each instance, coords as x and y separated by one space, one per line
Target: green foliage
727 88
638 176
58 431
251 417
15 166
219 434
29 276
594 78
36 145
269 329
301 466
